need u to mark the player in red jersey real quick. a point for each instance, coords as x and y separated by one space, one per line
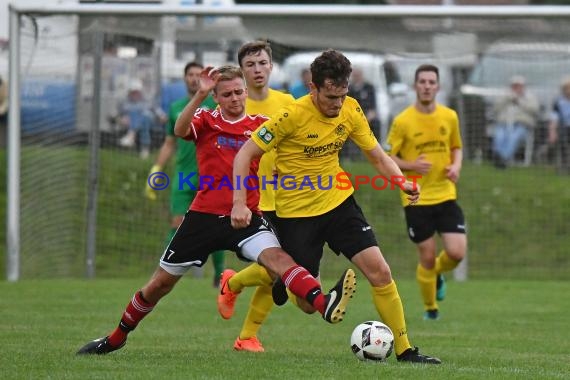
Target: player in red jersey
207 227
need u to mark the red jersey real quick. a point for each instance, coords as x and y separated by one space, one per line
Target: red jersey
217 143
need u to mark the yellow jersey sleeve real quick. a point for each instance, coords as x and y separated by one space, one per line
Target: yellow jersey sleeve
362 134
279 126
455 138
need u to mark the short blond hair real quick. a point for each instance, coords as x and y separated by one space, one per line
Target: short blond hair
229 72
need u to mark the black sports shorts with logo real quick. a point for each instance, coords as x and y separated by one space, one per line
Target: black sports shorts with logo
424 221
344 229
200 233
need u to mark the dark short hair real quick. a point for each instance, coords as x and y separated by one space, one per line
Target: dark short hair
254 47
332 65
190 65
426 67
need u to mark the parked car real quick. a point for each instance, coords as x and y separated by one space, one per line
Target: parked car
391 93
543 65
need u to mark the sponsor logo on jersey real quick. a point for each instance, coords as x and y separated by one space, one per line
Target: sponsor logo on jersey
323 150
340 130
265 135
229 142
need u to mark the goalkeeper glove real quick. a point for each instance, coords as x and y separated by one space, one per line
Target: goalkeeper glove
150 193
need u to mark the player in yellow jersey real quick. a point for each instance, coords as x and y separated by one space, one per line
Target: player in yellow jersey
425 141
255 60
313 202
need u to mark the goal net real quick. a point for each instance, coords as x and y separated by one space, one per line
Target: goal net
82 207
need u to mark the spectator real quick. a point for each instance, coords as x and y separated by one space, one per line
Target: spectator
516 116
365 95
138 116
301 86
559 126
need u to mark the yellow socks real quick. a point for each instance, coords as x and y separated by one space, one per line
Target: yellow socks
389 306
259 307
427 280
444 263
253 275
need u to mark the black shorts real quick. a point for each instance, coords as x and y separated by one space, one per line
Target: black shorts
200 234
270 217
424 221
344 229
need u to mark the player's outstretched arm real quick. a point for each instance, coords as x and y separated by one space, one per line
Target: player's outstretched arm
383 163
387 167
208 79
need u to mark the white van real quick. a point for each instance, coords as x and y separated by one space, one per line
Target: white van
391 94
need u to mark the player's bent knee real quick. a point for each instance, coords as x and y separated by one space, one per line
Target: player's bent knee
276 260
160 285
380 277
455 254
154 291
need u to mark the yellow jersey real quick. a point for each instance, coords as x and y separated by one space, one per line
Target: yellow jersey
307 145
274 102
434 135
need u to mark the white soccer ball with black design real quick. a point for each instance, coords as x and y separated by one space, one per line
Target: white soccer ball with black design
372 340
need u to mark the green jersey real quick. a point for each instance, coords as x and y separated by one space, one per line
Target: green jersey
185 150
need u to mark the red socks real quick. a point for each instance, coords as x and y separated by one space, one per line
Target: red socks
301 283
136 310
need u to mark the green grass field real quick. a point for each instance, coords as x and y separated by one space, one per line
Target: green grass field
488 330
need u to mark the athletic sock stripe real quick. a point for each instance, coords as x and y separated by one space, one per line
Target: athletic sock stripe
292 275
137 305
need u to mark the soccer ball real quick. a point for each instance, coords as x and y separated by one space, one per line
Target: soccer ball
372 340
